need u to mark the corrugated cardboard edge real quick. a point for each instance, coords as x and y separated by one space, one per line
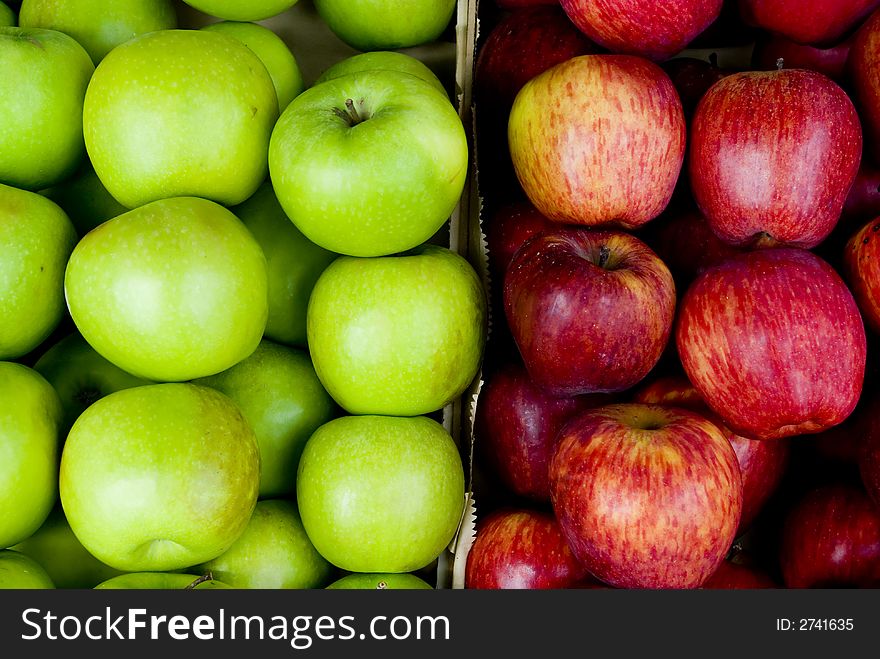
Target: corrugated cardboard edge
466 238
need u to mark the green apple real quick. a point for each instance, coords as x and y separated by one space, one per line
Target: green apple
99 26
368 164
36 239
273 552
160 477
238 10
18 571
180 113
272 51
171 291
85 200
386 24
81 376
380 494
397 335
382 60
7 16
45 75
160 581
55 547
278 392
30 415
360 581
294 263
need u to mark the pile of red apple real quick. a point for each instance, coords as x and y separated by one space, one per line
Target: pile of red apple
684 245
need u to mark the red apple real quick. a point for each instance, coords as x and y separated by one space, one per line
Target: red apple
774 343
508 229
656 30
590 311
733 576
521 549
516 427
773 155
762 464
527 42
522 45
863 200
864 69
807 21
830 61
685 243
692 78
598 139
647 496
862 263
831 539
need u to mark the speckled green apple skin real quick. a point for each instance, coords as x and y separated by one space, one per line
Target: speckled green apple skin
380 494
45 75
294 264
397 335
383 60
18 571
30 415
380 582
7 16
377 187
272 51
160 477
55 547
386 24
180 113
81 376
282 399
36 239
242 10
170 291
159 581
99 26
273 552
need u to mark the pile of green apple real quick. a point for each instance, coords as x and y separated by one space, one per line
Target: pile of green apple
227 329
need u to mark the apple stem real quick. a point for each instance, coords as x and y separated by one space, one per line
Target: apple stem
353 114
604 255
713 59
202 579
779 64
764 240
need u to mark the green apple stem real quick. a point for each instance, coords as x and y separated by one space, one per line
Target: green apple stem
353 115
202 579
